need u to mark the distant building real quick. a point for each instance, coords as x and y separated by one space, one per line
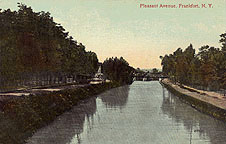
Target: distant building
98 77
99 73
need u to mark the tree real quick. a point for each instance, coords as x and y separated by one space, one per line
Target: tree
207 68
32 43
118 70
223 41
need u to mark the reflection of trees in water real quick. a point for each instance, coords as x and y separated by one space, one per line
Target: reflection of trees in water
192 119
117 97
68 126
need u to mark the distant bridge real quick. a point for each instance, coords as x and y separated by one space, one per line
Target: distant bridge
149 77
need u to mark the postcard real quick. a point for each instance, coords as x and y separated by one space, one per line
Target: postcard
113 72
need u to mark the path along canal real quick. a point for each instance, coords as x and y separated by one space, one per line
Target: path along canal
142 113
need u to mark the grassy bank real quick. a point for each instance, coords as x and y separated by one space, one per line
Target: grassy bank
21 117
202 106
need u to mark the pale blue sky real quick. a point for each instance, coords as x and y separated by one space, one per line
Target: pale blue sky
121 28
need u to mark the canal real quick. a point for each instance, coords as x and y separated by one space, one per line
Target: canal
142 113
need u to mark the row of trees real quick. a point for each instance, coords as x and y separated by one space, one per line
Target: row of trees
118 69
31 42
207 68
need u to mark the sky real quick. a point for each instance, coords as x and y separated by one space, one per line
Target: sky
115 28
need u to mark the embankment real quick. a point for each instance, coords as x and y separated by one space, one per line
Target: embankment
21 117
203 102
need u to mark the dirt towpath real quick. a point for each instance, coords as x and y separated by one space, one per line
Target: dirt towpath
216 99
19 93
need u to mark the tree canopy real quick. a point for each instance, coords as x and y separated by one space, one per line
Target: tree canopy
118 69
31 42
206 68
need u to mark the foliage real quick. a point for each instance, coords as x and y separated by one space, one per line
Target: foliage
118 70
31 42
207 68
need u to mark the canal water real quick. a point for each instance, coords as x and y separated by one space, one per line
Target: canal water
142 113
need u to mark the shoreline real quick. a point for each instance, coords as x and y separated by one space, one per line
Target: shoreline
207 102
22 117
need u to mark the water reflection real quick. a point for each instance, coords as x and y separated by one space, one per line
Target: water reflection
207 127
117 97
142 113
67 126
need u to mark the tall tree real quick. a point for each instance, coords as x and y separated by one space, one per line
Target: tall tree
118 70
31 43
